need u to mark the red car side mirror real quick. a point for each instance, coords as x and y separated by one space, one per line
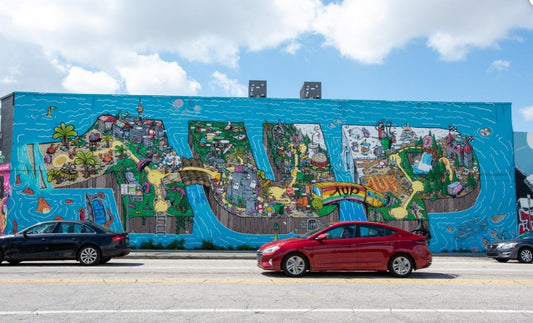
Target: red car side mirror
322 236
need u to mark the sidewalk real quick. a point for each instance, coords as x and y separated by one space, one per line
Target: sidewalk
237 254
191 254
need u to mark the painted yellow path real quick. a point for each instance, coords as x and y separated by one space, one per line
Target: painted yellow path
417 186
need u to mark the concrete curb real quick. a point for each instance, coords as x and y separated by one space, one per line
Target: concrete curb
235 254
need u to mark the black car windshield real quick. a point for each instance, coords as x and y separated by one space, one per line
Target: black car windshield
310 233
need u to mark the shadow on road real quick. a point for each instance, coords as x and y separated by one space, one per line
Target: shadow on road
71 264
363 275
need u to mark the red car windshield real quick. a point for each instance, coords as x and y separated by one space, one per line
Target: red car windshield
310 233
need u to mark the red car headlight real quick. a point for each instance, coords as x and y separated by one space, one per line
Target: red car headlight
271 249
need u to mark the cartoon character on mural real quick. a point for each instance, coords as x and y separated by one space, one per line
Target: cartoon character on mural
525 214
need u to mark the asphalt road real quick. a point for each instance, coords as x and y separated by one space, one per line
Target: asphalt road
229 289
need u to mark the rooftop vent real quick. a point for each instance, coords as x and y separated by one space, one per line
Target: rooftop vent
311 90
257 89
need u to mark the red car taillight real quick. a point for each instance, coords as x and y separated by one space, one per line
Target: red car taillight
118 238
422 242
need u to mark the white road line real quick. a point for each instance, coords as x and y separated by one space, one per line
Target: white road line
265 281
268 310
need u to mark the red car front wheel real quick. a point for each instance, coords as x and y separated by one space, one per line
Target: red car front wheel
295 265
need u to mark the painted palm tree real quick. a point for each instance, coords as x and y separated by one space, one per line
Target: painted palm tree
121 150
86 159
64 132
107 139
56 175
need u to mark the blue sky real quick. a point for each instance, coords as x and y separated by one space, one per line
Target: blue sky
439 50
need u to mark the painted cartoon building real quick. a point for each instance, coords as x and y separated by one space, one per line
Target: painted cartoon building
238 171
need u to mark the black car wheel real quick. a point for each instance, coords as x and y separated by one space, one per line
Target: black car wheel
14 262
89 256
1 256
525 255
502 259
295 265
400 266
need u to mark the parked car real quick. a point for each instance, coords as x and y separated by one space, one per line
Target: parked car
519 248
87 242
348 246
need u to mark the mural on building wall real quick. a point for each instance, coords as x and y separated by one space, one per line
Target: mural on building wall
523 152
422 170
4 193
199 169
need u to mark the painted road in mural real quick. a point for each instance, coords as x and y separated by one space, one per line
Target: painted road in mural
239 172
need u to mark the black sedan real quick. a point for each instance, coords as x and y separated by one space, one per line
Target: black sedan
87 242
520 248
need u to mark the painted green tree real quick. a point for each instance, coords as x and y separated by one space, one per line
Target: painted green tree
107 139
64 132
86 159
121 150
471 181
56 175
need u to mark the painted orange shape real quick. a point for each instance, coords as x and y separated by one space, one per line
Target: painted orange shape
43 206
28 191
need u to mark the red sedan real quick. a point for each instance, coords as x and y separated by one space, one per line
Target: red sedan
348 246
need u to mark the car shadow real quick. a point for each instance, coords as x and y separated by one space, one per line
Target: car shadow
70 264
363 275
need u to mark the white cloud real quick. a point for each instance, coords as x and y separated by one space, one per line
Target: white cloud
152 75
230 86
527 113
95 35
83 81
499 65
92 34
368 31
200 30
292 47
24 67
9 79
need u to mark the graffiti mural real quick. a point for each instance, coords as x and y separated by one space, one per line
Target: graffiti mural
4 193
523 152
421 169
243 171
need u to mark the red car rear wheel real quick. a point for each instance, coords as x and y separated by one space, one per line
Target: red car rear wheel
400 266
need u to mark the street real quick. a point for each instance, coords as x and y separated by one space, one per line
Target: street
469 289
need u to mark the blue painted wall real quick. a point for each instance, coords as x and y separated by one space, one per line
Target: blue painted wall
487 126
